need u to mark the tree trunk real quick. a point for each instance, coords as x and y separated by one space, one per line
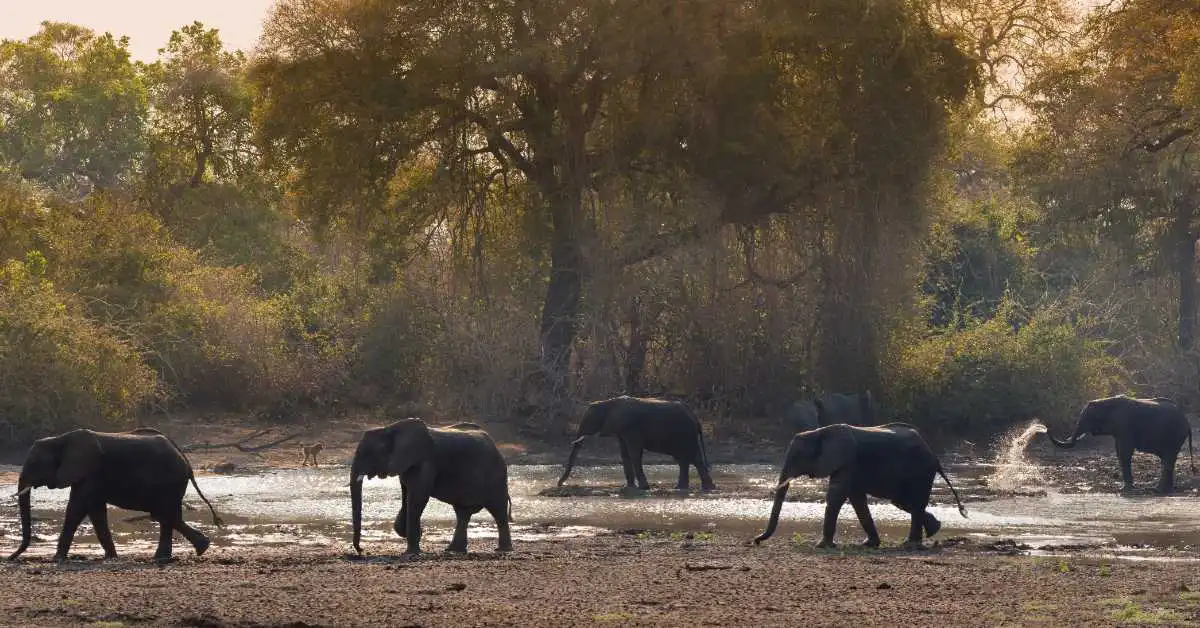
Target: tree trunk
560 308
635 357
848 344
1185 269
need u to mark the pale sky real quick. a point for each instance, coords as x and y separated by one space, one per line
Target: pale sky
147 23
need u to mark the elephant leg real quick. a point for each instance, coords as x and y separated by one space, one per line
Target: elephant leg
626 462
199 542
400 525
635 458
706 482
499 512
859 502
166 532
415 504
99 517
684 466
462 516
834 498
1125 459
77 508
1166 481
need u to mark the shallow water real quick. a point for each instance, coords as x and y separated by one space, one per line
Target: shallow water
312 507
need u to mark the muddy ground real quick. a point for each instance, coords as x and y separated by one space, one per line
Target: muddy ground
624 579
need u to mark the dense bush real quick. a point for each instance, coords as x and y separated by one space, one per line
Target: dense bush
982 379
58 369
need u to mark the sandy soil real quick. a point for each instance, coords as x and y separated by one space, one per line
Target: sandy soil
643 580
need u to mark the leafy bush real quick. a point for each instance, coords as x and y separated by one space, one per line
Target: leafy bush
980 380
57 368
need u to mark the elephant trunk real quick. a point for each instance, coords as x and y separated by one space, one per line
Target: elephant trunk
356 485
773 522
24 502
575 447
1070 442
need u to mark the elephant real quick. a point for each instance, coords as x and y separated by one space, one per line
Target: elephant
137 470
889 461
459 465
1156 426
831 409
665 427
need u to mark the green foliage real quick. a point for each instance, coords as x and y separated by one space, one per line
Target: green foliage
58 369
72 107
987 376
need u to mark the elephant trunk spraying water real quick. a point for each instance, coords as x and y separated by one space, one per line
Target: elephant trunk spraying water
1155 426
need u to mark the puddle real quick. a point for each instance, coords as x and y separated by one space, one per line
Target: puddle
312 507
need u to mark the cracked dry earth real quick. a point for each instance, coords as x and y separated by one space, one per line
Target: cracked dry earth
647 579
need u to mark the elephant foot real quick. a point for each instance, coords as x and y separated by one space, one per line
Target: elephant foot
826 544
201 546
504 548
1128 488
455 548
931 525
164 559
412 550
109 555
913 545
708 488
60 558
871 542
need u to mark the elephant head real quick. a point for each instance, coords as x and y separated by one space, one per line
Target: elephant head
606 418
818 453
1099 417
55 462
384 452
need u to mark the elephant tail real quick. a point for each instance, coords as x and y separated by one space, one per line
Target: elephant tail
191 473
961 509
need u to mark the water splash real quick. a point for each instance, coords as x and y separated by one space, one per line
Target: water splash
1012 470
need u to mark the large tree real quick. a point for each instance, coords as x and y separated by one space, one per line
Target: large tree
72 107
766 107
1114 145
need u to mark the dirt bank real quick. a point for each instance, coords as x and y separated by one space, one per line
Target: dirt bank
644 580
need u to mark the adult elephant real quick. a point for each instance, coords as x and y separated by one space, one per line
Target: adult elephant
831 409
1156 426
889 461
137 470
459 465
665 427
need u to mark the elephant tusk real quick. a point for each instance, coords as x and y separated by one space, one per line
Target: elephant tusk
578 441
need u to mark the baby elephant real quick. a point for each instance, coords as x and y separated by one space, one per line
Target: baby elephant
459 465
890 461
137 470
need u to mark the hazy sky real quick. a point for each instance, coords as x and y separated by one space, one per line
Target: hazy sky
147 23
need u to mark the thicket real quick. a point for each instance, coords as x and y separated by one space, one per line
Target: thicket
544 205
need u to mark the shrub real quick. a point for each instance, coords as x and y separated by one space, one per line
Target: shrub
980 380
57 368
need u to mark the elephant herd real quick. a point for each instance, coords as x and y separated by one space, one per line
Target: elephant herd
460 465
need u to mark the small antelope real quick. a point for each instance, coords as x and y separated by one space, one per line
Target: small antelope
310 453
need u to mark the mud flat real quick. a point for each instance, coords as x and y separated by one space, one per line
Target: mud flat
643 579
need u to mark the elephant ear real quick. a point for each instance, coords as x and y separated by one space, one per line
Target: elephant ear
79 457
837 449
411 445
